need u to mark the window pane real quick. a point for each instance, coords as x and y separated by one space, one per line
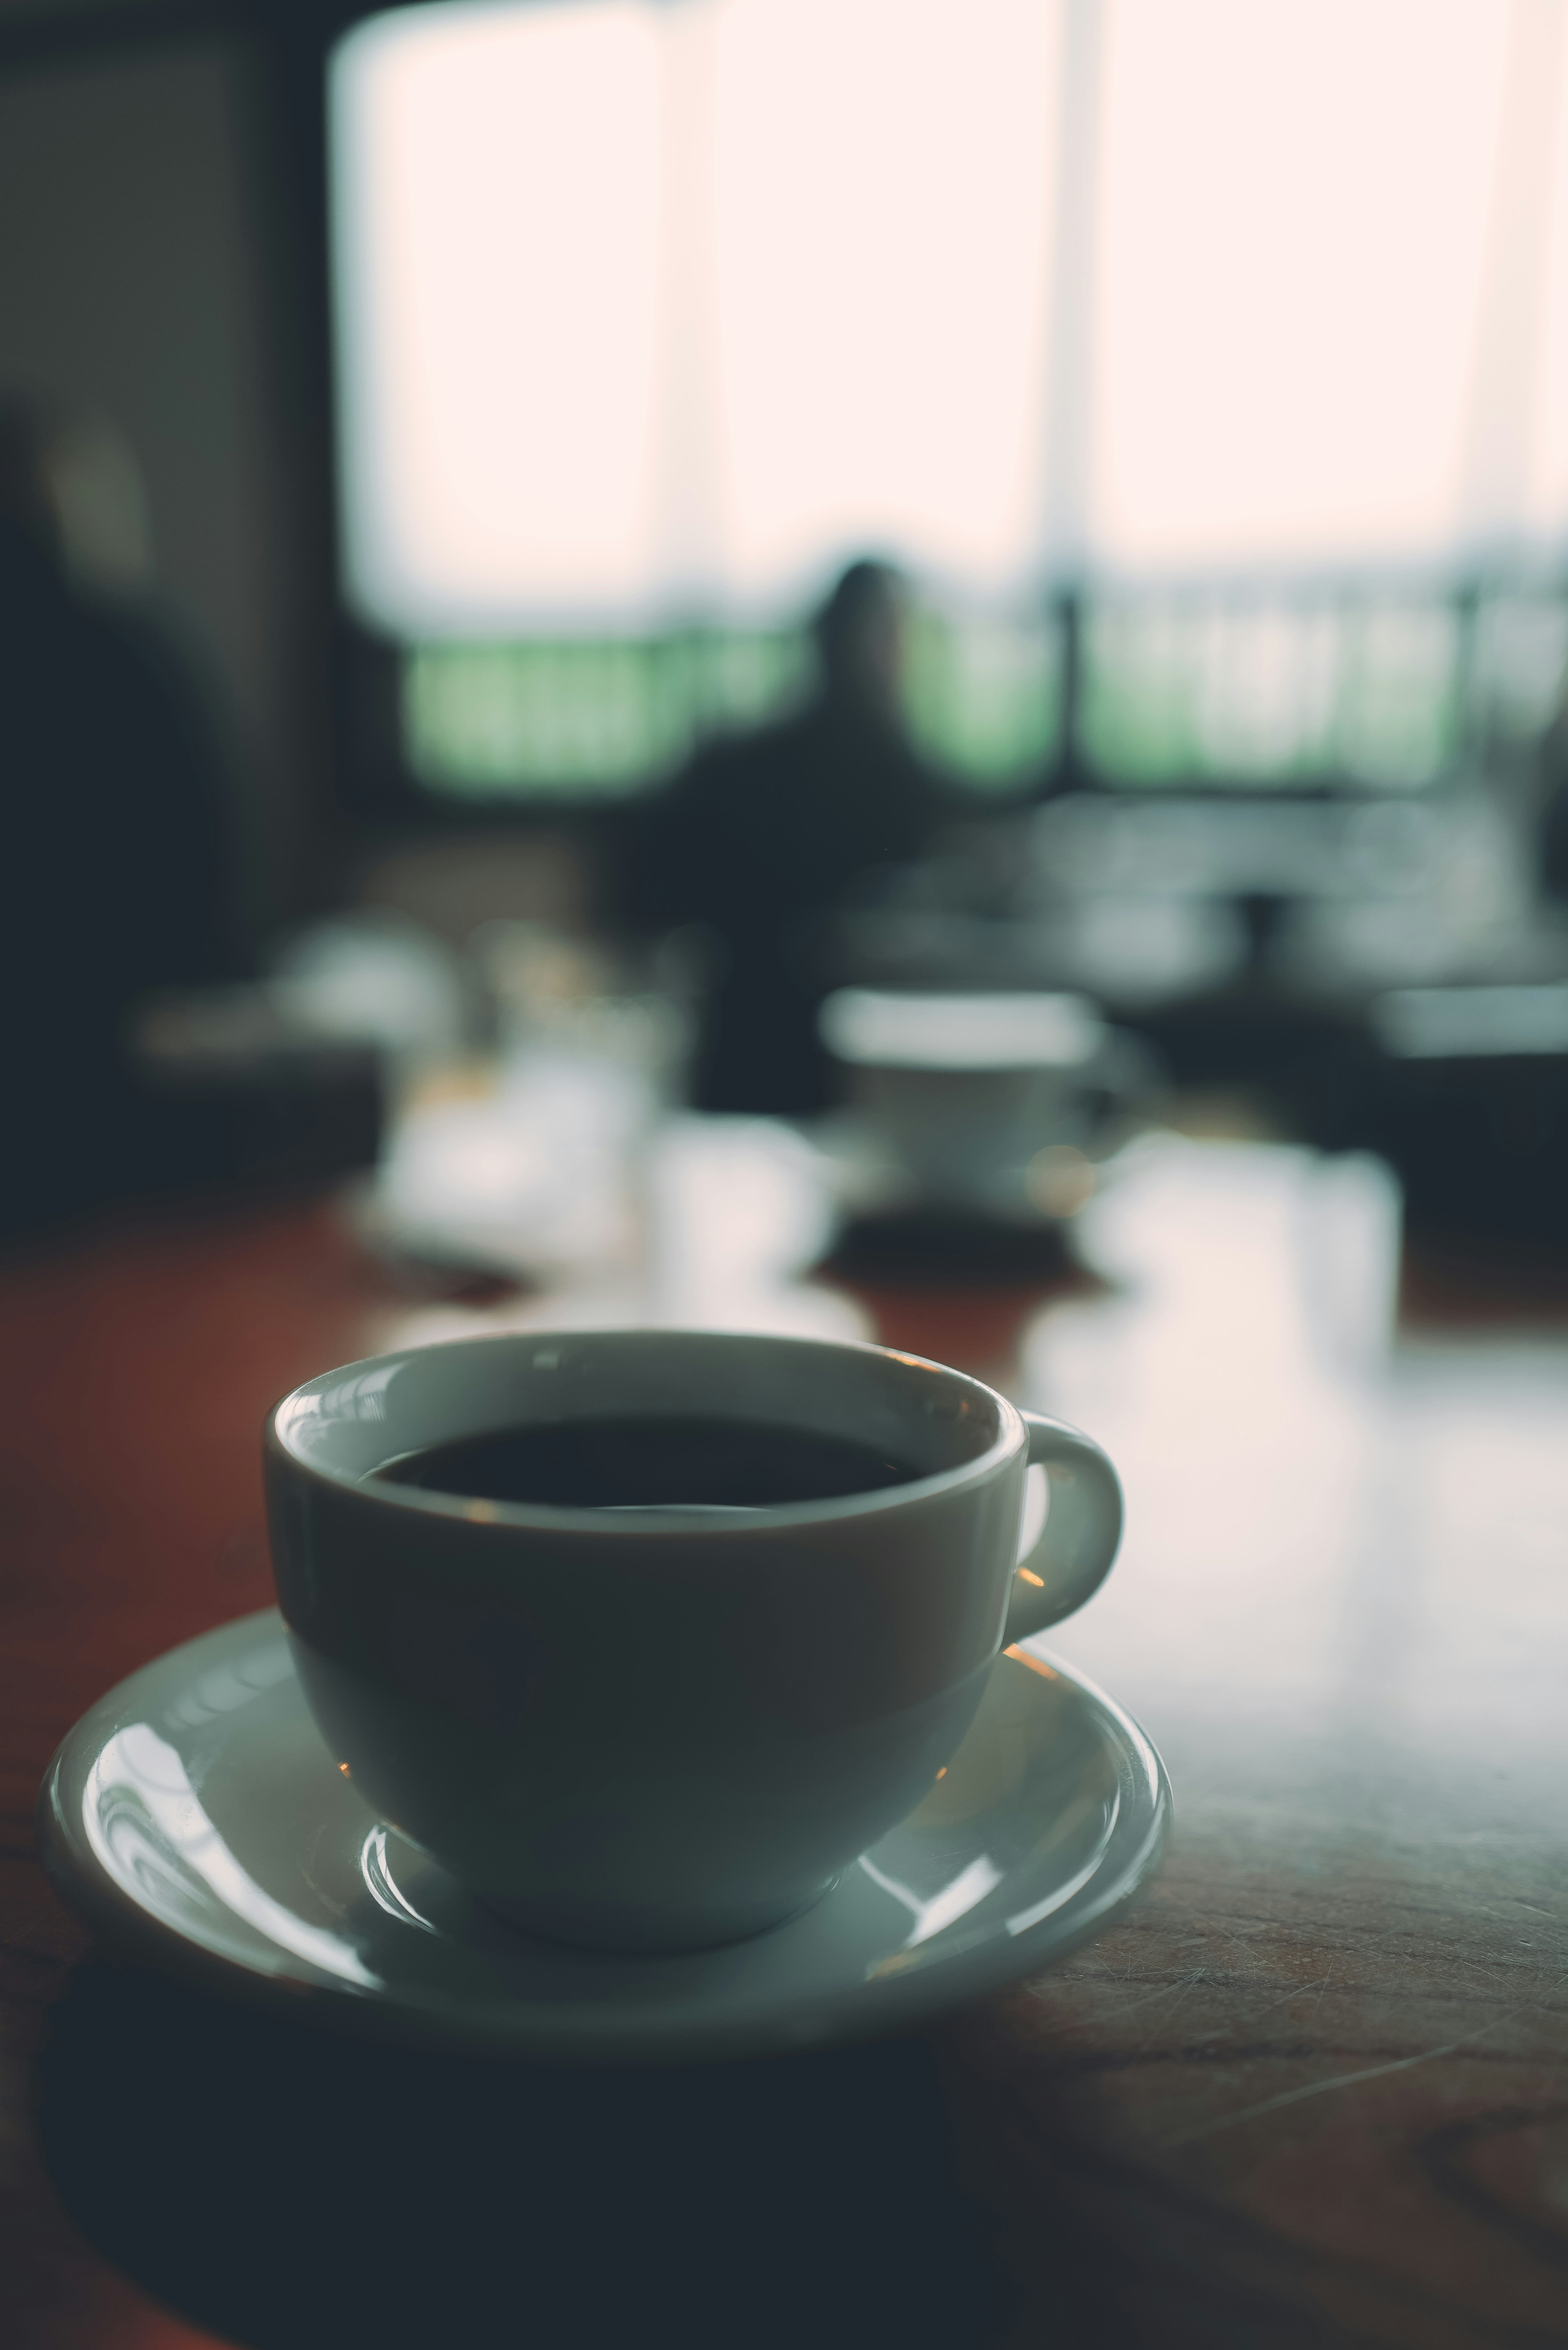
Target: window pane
1292 217
497 180
881 206
1550 508
646 309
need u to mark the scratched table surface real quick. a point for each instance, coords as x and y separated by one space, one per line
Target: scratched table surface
1315 2090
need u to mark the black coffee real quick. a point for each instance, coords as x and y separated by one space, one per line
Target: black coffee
651 1463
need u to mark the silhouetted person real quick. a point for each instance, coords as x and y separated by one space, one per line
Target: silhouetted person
764 837
119 849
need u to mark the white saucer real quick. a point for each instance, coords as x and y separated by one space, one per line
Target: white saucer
195 1812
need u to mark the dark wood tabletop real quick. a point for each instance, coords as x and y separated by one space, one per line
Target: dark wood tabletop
1315 2090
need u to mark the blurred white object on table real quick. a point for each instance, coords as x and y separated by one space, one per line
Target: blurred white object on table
986 1103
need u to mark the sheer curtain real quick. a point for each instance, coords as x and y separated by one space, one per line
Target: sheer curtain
652 309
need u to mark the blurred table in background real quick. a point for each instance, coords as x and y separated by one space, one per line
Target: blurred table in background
1145 901
1317 2090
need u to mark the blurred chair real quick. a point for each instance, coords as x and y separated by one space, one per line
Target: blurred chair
1468 1100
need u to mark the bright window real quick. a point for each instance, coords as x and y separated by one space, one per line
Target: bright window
1293 207
645 307
654 312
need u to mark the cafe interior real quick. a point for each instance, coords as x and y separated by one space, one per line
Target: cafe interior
865 672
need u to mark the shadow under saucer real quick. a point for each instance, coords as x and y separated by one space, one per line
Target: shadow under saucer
291 2187
936 1245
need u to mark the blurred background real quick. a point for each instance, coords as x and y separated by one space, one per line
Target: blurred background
980 578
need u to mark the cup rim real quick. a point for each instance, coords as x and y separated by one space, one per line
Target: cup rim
716 1523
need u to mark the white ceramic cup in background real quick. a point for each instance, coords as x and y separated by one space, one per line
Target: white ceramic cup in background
967 1092
662 1729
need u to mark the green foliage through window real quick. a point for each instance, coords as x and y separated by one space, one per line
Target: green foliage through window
584 717
601 718
1365 687
984 696
1184 689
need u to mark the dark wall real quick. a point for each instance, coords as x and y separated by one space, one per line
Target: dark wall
141 270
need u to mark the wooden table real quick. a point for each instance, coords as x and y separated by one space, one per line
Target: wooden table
1315 2090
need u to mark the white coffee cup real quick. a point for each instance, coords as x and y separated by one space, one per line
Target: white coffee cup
663 1727
966 1091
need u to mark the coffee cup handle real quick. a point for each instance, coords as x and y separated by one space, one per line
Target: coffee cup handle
1083 1528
